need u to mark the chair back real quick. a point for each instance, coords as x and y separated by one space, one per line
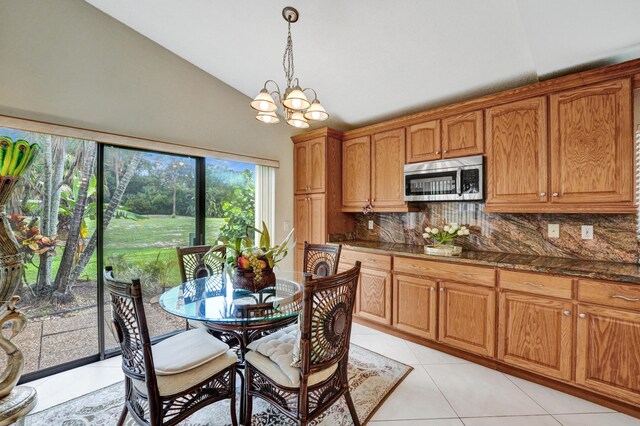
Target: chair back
129 326
193 263
321 260
325 322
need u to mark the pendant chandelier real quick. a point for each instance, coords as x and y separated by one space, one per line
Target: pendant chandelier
297 109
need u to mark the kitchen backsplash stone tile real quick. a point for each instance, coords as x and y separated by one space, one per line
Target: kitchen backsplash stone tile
615 236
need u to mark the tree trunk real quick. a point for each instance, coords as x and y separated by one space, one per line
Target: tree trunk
115 201
73 237
44 270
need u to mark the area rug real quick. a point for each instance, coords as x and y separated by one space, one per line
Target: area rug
372 378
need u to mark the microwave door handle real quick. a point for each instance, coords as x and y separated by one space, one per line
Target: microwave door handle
459 181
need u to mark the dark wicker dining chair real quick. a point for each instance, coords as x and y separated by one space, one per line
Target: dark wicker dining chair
194 265
327 307
167 382
321 260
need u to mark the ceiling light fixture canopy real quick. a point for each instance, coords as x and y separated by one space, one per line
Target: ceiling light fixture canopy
297 109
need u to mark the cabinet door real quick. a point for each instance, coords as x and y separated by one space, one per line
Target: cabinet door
591 144
300 167
414 305
467 317
299 258
302 220
517 152
607 358
536 334
423 142
317 167
317 219
375 295
356 173
462 135
387 169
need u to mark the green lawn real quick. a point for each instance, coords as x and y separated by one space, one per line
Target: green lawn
140 242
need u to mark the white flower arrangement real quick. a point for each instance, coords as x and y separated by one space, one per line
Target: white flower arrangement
448 233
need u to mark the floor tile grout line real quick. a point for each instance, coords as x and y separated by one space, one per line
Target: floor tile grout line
442 393
526 393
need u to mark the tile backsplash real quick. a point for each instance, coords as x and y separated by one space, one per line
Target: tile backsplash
615 237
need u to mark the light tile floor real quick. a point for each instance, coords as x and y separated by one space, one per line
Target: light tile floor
442 390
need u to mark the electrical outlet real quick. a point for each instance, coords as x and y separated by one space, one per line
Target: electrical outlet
553 230
370 224
286 226
587 232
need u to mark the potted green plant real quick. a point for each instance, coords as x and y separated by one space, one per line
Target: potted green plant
444 239
250 265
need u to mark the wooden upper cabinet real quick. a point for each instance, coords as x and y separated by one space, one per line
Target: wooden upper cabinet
592 153
356 172
309 165
462 135
316 168
387 169
301 166
423 142
517 152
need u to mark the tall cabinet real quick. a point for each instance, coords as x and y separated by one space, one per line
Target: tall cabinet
317 162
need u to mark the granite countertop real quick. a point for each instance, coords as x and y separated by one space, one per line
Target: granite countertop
624 272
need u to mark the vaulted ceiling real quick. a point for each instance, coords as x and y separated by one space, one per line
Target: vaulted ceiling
375 59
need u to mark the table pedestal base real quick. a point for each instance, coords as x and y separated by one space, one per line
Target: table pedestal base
17 404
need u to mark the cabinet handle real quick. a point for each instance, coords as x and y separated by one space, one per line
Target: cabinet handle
441 289
582 316
432 289
566 313
542 194
555 194
446 150
437 152
628 299
533 284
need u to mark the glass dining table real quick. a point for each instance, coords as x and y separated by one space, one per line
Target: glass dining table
237 316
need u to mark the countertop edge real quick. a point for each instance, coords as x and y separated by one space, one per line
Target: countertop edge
628 273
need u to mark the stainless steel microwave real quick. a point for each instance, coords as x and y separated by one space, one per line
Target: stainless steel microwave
456 179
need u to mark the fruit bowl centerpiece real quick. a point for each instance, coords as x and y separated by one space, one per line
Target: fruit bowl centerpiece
249 265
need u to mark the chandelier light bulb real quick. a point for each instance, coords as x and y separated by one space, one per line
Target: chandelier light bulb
316 112
264 102
296 100
298 120
268 117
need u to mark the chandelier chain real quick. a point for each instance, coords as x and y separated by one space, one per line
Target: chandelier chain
287 59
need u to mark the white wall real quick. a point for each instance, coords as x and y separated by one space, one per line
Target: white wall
67 63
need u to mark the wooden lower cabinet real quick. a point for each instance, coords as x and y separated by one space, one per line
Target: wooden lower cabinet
467 317
536 333
415 305
608 352
375 295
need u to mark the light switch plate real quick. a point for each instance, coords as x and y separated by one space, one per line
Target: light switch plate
370 224
553 230
587 232
286 226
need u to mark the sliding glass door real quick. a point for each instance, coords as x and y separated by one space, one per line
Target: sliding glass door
149 210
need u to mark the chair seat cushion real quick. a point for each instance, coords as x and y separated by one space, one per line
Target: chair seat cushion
279 348
177 383
272 370
186 351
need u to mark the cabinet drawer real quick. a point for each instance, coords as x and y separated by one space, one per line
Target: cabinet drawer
446 271
610 294
369 260
543 284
